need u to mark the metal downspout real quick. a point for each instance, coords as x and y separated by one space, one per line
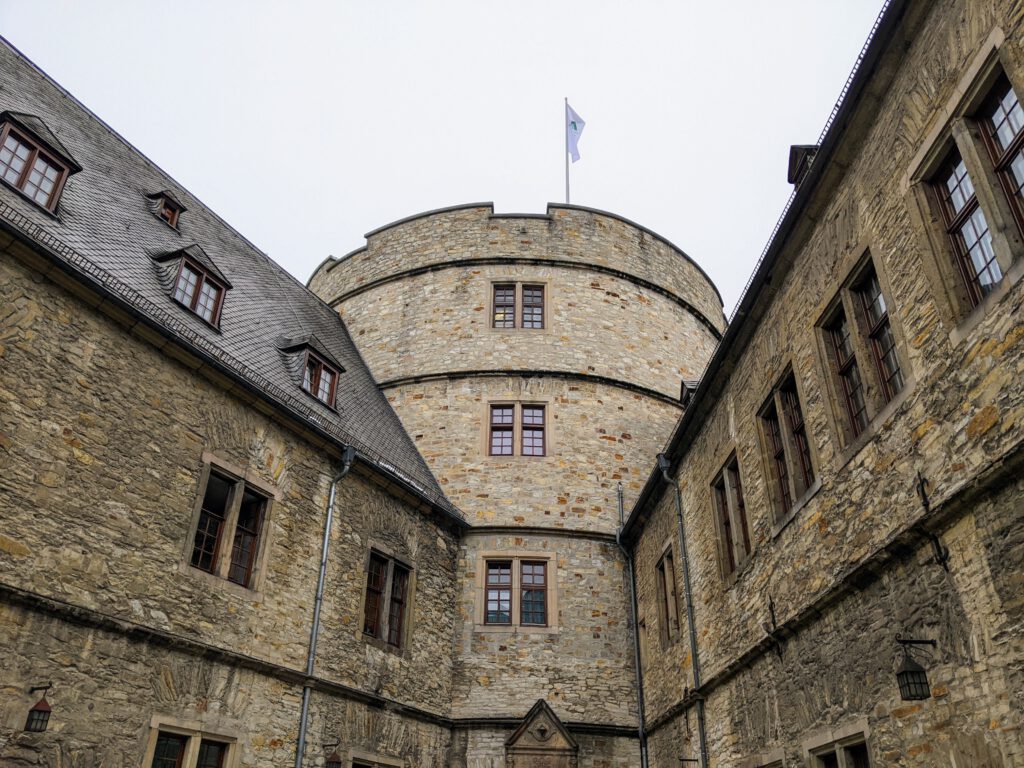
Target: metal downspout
641 729
348 455
663 465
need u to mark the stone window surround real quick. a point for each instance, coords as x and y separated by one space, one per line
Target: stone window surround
403 648
781 518
518 281
742 559
517 429
240 475
669 631
831 739
955 126
359 757
854 267
515 556
195 731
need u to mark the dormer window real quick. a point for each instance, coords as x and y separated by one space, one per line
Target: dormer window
319 378
192 279
198 291
311 366
32 161
166 208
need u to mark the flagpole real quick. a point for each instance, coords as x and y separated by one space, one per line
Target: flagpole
565 120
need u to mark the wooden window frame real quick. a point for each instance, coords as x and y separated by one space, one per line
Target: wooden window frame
515 560
873 329
840 331
219 573
669 624
194 736
388 629
320 366
731 521
956 221
534 586
787 450
203 277
36 151
517 429
168 211
1002 158
500 588
514 313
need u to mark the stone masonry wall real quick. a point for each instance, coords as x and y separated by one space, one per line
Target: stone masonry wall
566 233
582 665
598 436
960 414
596 324
102 439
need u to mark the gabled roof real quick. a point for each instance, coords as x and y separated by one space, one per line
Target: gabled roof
35 126
199 256
541 732
105 233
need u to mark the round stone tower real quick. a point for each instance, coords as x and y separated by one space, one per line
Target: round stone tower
537 361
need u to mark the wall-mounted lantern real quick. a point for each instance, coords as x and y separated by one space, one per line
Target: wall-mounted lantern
333 759
39 715
911 676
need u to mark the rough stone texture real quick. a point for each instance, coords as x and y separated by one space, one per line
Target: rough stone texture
504 672
599 435
580 235
959 417
101 445
597 324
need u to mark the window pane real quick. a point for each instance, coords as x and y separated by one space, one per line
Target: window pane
533 603
396 611
504 306
186 287
376 576
778 454
211 523
1005 116
207 304
41 180
13 156
170 749
501 430
499 593
247 537
211 754
533 306
795 419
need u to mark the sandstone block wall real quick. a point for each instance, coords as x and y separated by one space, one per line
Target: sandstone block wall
957 421
582 664
578 235
102 446
599 435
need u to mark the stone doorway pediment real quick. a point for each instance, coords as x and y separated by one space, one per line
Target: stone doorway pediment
541 741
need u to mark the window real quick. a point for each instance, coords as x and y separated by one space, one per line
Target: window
529 431
967 228
1004 138
668 602
848 753
516 591
197 290
228 532
879 332
515 305
175 747
319 378
731 517
860 354
788 452
166 208
386 604
849 372
28 166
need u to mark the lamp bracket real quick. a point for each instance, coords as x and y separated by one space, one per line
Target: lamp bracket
905 641
45 687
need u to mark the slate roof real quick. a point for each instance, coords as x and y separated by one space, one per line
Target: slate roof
105 232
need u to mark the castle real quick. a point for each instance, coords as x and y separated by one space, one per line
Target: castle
509 491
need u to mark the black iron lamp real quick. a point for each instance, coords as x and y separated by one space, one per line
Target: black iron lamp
333 759
911 676
39 715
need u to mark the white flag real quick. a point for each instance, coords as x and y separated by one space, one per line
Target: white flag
573 128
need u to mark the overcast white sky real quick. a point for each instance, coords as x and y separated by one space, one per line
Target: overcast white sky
307 124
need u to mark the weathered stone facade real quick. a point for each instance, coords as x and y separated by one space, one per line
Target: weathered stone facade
117 404
798 647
